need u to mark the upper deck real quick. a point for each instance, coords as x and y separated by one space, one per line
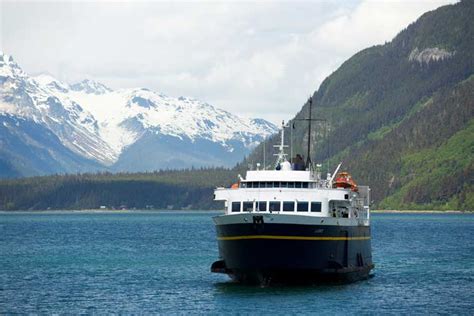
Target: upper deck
293 192
296 188
279 175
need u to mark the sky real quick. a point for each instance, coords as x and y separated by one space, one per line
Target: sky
253 58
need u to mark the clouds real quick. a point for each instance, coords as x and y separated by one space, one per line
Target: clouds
256 59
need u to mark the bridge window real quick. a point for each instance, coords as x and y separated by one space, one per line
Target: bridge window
235 206
302 207
315 206
274 206
247 206
262 206
288 206
256 185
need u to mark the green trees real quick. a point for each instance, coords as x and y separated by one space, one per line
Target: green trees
400 123
165 189
383 106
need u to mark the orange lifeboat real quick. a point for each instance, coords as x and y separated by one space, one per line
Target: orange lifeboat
344 180
235 186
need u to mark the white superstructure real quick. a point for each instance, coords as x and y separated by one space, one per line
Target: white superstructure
295 192
289 225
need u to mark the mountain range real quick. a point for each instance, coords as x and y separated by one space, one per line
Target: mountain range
400 116
48 126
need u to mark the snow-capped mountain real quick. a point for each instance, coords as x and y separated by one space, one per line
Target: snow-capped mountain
127 129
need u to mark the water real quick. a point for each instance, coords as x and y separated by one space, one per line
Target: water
158 262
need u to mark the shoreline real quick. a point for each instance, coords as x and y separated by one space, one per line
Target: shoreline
102 211
421 211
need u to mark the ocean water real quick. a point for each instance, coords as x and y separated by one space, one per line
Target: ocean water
158 262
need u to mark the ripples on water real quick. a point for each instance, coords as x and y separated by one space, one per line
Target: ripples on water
158 262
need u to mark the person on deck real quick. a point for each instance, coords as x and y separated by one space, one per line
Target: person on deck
298 163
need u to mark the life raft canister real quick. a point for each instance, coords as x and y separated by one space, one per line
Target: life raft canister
344 180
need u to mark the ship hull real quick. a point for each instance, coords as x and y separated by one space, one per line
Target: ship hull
268 249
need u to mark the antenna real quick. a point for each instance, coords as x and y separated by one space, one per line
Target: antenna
308 158
309 119
281 154
327 141
264 160
291 141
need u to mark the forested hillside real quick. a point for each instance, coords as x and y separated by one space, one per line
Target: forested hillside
400 115
184 189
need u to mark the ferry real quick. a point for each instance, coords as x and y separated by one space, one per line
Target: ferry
289 225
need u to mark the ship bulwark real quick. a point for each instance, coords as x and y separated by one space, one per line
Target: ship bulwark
259 249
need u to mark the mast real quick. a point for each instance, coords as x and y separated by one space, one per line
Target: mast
308 159
309 119
281 156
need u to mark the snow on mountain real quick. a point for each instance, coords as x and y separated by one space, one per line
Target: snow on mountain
126 114
90 86
50 82
99 123
31 99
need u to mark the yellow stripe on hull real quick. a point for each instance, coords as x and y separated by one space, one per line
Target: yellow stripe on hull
290 237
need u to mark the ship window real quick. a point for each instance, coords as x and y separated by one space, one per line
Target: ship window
305 185
346 196
276 184
302 206
243 185
247 206
291 184
284 184
297 185
269 184
262 184
235 206
249 185
315 206
288 206
274 206
262 206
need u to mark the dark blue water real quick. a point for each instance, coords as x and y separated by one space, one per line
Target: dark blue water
159 263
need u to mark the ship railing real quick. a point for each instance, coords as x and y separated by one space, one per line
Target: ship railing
364 213
364 194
